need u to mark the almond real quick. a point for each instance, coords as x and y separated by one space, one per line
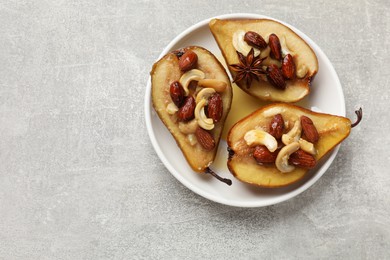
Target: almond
188 60
274 44
276 127
288 67
309 131
215 107
177 93
205 139
302 159
275 77
255 40
186 112
263 155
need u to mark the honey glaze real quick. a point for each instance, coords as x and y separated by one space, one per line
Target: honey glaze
242 105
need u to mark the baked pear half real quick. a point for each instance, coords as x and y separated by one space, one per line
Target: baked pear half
278 144
192 94
266 58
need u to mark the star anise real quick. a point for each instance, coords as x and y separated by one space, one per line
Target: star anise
249 68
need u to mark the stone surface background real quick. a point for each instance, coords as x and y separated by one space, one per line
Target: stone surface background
79 178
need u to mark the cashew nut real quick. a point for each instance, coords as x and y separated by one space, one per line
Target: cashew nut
281 161
172 108
265 52
260 137
307 146
240 45
204 94
189 76
284 47
217 85
294 134
200 116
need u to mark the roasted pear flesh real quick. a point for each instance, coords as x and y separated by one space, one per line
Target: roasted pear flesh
278 144
191 93
266 58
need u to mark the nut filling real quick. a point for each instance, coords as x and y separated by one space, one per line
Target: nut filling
285 149
251 48
196 101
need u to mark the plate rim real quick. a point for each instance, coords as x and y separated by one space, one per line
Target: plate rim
148 108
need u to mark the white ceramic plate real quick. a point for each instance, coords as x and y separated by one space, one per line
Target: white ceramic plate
326 96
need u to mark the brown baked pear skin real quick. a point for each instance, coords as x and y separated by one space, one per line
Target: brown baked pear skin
304 57
332 130
164 73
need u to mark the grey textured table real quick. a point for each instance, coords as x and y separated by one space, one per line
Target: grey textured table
79 178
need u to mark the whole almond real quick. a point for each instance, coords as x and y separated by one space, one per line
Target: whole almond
186 111
205 139
215 107
288 67
276 127
188 60
309 131
177 93
275 77
302 159
274 44
262 155
255 40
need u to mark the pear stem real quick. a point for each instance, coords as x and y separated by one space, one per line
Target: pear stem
359 114
227 181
